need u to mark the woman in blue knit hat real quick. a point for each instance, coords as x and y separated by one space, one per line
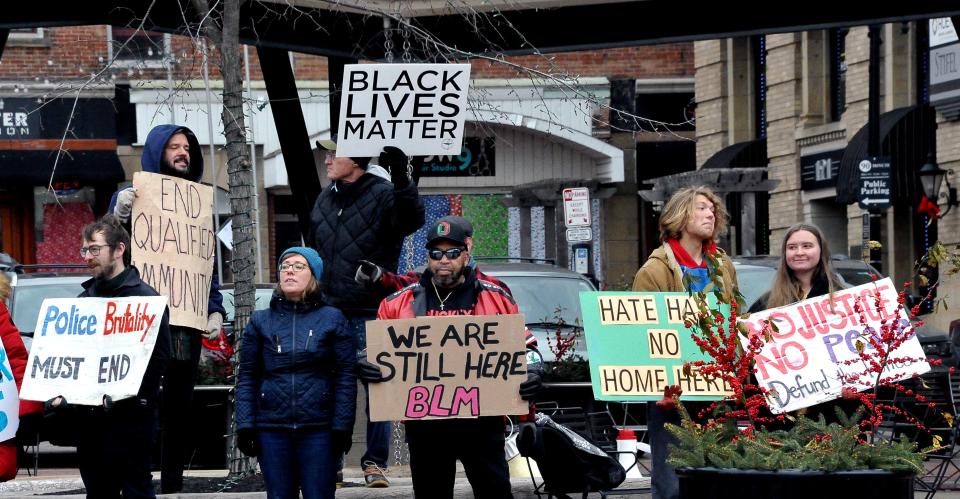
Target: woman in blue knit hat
296 389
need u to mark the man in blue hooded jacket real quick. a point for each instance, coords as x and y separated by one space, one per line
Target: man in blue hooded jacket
174 150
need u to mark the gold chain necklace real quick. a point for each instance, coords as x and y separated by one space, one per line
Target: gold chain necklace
442 300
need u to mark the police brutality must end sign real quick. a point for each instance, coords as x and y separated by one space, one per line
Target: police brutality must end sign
419 108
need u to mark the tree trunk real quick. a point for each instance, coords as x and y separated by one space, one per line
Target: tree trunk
240 180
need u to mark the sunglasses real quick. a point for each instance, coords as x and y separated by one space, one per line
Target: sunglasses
452 253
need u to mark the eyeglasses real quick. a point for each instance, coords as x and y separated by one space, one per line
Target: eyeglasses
93 249
452 253
296 267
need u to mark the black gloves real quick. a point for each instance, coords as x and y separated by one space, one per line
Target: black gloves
55 405
394 160
368 372
531 387
368 274
247 442
340 442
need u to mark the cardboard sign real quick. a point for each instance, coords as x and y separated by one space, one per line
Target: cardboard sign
447 367
804 363
9 400
85 348
638 345
174 243
419 108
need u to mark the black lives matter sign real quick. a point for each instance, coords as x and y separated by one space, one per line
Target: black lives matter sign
419 108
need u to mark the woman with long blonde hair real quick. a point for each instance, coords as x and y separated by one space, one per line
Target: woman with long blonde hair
804 270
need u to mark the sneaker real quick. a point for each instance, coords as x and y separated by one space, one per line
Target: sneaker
375 476
339 479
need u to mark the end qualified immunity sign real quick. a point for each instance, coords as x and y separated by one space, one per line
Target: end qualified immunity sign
419 108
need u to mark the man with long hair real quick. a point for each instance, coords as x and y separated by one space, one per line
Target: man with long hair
687 260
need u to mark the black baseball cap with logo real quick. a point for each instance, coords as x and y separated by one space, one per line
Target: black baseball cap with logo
450 228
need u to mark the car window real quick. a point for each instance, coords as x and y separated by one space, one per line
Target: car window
543 299
261 301
27 301
856 277
754 282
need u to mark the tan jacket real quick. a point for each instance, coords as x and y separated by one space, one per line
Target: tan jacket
662 273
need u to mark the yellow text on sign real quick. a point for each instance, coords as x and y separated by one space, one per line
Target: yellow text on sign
628 309
633 380
663 343
696 384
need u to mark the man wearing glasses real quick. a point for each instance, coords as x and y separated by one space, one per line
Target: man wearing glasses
115 441
363 214
449 286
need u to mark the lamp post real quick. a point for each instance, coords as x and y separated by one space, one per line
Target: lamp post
931 179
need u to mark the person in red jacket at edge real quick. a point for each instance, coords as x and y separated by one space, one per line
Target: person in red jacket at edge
17 354
382 281
450 287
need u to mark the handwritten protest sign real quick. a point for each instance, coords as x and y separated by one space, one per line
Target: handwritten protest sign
804 365
9 400
174 242
447 367
638 345
85 348
419 108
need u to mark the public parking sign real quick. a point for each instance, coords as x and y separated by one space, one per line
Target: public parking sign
874 192
576 206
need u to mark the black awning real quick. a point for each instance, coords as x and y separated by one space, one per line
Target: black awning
31 168
746 154
907 135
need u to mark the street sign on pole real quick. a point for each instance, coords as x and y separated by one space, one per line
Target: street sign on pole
579 234
576 206
874 192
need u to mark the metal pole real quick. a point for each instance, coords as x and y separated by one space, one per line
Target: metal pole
213 156
253 164
873 137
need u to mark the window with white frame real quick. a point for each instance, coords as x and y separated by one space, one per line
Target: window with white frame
136 46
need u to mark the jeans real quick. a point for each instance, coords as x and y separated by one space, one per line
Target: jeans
664 482
378 433
176 419
297 460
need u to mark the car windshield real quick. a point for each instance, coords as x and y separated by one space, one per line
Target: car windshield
856 277
754 281
261 302
28 298
548 299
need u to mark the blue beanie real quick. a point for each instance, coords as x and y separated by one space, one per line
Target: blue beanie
312 257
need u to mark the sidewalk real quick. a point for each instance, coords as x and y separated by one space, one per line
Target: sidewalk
58 481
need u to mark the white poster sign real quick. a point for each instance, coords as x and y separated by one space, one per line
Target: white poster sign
9 400
576 206
85 348
814 353
419 108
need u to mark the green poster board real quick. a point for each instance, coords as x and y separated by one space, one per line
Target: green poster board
637 346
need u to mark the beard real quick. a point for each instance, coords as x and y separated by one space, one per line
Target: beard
168 169
447 281
103 271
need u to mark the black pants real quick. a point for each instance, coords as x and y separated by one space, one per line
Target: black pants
178 419
435 447
114 449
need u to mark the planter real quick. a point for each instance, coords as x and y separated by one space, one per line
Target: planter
699 483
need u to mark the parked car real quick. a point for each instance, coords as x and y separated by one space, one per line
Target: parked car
549 299
29 291
261 301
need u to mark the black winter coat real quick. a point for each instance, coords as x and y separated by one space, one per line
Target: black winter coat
128 283
363 220
296 368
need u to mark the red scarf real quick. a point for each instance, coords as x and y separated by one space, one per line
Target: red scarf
684 258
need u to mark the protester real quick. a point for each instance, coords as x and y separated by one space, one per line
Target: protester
363 216
386 282
687 260
296 388
174 150
450 287
17 356
804 270
115 440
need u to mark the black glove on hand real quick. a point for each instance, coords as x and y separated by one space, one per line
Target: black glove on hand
395 160
531 387
55 405
340 442
368 274
247 442
368 372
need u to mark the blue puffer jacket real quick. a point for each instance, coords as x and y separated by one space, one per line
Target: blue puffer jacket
296 368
